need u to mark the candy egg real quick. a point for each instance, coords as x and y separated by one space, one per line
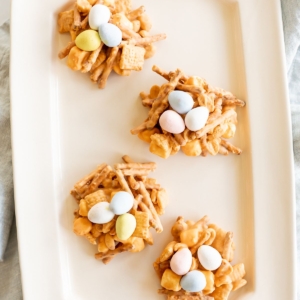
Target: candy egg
110 34
88 40
196 118
98 15
181 261
209 257
172 122
100 213
121 203
193 281
125 226
180 101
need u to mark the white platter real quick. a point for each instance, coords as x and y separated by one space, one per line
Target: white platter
63 126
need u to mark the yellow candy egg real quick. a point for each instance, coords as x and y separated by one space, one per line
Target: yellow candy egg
125 226
88 40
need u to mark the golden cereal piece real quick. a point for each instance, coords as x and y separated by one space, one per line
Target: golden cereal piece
83 6
160 145
213 146
138 245
83 209
122 6
109 241
76 58
145 22
142 224
146 134
96 230
65 21
82 226
136 25
198 82
222 292
209 288
230 131
190 237
195 264
171 281
162 199
132 58
150 51
91 238
96 197
102 248
119 19
168 251
192 148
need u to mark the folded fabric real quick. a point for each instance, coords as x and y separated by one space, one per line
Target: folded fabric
291 25
6 181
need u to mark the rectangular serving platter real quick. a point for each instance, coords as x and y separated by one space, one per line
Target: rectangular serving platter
63 127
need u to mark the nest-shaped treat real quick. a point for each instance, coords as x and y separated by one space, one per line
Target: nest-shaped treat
118 207
188 114
99 55
196 264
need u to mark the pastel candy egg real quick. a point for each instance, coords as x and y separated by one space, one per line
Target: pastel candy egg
181 261
100 213
125 226
172 122
88 40
121 203
193 281
110 34
180 101
209 257
98 15
196 118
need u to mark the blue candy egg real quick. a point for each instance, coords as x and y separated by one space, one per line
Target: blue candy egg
110 34
194 281
181 102
121 203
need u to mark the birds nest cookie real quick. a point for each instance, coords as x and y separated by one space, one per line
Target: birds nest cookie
196 265
106 36
118 206
187 113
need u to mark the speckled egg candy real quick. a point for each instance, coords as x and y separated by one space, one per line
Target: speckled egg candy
98 15
196 118
121 203
110 34
180 101
172 122
88 40
181 261
100 213
194 281
125 226
209 257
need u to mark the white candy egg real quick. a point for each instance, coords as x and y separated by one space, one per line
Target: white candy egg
209 257
181 261
121 203
180 101
100 213
194 281
110 34
196 118
172 122
99 14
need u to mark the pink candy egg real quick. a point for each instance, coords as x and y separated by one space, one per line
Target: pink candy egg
172 122
181 261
